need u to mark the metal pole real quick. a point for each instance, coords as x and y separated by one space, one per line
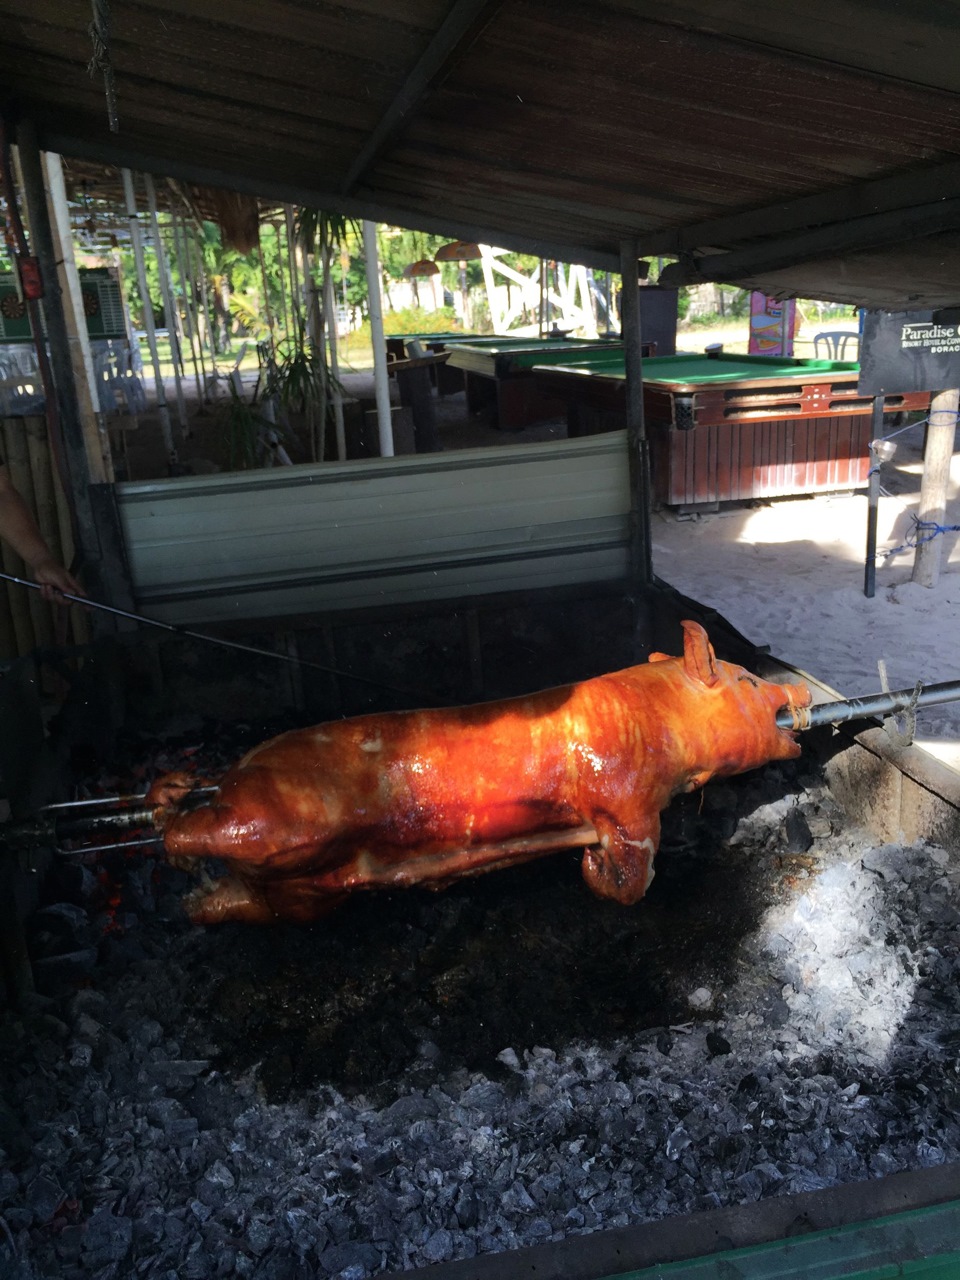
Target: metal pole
873 704
188 284
170 312
873 503
162 411
641 562
380 375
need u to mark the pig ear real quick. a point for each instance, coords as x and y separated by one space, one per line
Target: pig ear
699 660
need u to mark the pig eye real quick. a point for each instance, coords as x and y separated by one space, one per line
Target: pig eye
749 680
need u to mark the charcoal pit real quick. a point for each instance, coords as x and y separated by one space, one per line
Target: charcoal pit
424 1077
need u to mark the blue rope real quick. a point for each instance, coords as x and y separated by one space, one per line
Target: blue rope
922 531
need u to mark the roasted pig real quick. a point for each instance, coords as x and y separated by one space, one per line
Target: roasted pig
426 797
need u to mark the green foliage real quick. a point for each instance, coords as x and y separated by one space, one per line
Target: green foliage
247 309
299 377
416 320
240 424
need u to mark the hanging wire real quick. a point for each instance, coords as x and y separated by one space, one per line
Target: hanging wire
100 63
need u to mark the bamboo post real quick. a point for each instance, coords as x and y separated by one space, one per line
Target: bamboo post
17 457
198 268
380 375
201 269
283 292
8 632
92 420
20 603
266 292
638 447
137 243
170 313
75 458
53 518
329 306
292 264
185 289
941 433
193 272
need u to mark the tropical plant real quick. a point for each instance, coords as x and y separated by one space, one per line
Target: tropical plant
300 376
301 383
243 428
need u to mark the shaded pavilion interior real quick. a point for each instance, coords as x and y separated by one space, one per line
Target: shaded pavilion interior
809 152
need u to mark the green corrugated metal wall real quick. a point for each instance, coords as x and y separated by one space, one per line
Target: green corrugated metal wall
380 531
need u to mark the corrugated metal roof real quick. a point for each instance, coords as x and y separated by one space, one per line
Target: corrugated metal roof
549 125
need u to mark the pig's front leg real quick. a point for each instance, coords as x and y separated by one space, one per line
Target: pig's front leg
227 899
620 865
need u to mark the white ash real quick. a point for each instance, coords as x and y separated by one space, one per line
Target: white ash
831 1055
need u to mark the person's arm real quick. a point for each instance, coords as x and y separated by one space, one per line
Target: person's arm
19 529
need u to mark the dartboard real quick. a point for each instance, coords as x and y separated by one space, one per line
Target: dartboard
12 307
91 302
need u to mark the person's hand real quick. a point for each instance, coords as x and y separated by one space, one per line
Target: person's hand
54 579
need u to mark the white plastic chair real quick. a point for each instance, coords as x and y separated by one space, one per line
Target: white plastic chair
232 375
833 344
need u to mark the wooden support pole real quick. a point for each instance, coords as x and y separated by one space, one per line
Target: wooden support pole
381 377
641 498
170 312
941 434
81 357
76 459
137 244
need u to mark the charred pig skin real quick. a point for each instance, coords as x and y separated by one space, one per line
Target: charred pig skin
426 797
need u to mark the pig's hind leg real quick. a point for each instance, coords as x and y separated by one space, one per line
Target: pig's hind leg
620 864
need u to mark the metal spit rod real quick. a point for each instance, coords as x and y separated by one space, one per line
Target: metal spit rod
420 694
874 704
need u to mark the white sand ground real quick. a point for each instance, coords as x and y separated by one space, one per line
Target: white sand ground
789 574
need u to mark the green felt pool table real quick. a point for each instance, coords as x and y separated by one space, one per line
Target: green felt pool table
499 374
729 427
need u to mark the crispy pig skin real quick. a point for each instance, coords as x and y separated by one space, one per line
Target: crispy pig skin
426 797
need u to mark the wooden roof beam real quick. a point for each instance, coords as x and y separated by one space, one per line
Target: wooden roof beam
823 242
122 154
461 27
880 195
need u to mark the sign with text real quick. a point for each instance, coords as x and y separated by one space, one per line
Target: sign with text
909 351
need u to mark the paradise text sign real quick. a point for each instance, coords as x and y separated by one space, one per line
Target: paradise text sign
909 351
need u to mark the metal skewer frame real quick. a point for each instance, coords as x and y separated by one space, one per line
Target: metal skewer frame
870 705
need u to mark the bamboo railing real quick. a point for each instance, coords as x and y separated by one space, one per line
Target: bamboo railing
27 622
